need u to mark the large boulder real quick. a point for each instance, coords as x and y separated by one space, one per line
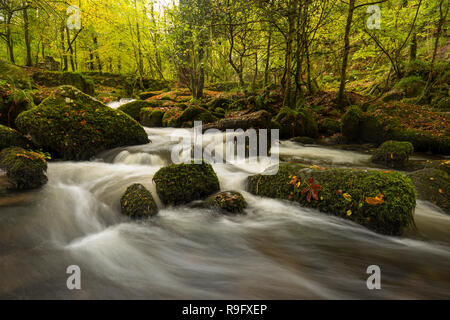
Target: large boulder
296 123
56 78
75 126
13 101
133 109
433 185
228 202
25 169
255 120
350 123
152 117
381 201
184 183
393 154
12 138
195 113
138 202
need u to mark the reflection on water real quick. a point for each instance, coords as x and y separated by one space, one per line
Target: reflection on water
278 250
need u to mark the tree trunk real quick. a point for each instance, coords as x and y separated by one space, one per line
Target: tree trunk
9 40
288 63
340 98
141 61
266 70
63 46
26 27
413 48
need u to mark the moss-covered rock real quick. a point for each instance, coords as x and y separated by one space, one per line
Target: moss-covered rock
138 202
14 75
393 154
12 138
75 126
195 113
227 202
133 109
184 183
411 86
383 202
330 126
350 127
25 169
220 102
152 117
57 78
13 101
148 94
433 185
296 123
171 117
254 120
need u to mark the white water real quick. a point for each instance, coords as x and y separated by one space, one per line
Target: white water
277 250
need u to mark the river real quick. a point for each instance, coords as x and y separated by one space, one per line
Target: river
278 250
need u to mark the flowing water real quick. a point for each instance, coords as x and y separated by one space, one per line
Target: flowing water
278 250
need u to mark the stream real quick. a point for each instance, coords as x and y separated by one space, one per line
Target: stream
278 250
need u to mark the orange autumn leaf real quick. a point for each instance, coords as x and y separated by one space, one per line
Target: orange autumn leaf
379 199
83 123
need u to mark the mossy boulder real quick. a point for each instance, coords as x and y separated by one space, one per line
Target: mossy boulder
148 94
393 154
350 123
14 75
381 201
171 117
296 123
330 126
411 86
74 126
220 102
25 169
254 120
13 101
227 202
57 78
433 185
133 109
12 138
138 202
184 183
195 113
152 117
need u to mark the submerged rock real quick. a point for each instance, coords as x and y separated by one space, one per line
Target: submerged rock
138 202
227 202
25 169
381 201
75 126
12 138
433 185
393 154
184 183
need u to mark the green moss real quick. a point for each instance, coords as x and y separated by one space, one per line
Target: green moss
14 75
152 117
171 118
411 86
12 138
56 78
345 193
13 101
393 154
433 185
25 169
296 123
330 126
138 202
350 127
184 183
227 202
74 126
133 109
